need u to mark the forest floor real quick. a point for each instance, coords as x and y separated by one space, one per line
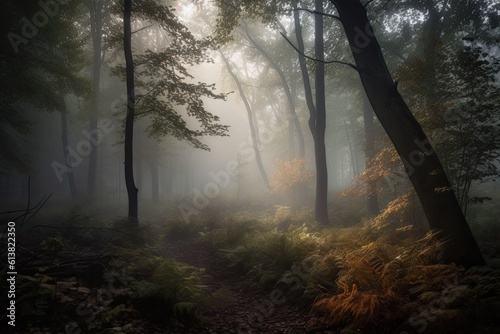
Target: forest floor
236 274
253 309
70 304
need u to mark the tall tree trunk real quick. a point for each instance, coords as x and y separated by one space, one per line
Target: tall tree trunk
64 138
129 121
321 199
422 164
321 207
372 197
250 122
95 8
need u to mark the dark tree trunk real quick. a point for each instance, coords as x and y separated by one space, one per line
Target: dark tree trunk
321 206
95 8
372 197
318 134
129 121
64 138
253 126
422 164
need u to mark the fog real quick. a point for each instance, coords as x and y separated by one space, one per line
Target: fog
183 169
250 166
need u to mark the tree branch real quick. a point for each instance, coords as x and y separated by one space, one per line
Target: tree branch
320 13
318 60
140 97
133 32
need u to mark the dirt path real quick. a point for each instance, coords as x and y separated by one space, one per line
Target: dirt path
253 310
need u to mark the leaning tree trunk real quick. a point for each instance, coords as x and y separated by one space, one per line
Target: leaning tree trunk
422 164
253 126
129 121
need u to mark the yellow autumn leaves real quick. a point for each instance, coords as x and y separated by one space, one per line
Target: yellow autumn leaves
288 174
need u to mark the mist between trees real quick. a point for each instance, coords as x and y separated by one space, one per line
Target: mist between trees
275 66
344 113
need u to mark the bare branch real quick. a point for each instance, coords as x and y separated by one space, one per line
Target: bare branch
320 13
133 32
318 60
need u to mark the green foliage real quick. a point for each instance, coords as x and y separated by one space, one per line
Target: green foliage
181 229
37 72
450 88
266 256
231 11
161 286
382 276
166 93
178 286
229 230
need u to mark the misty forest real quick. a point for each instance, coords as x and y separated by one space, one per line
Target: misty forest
251 166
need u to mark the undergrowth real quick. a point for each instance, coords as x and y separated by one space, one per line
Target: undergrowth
389 280
162 288
380 276
266 256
